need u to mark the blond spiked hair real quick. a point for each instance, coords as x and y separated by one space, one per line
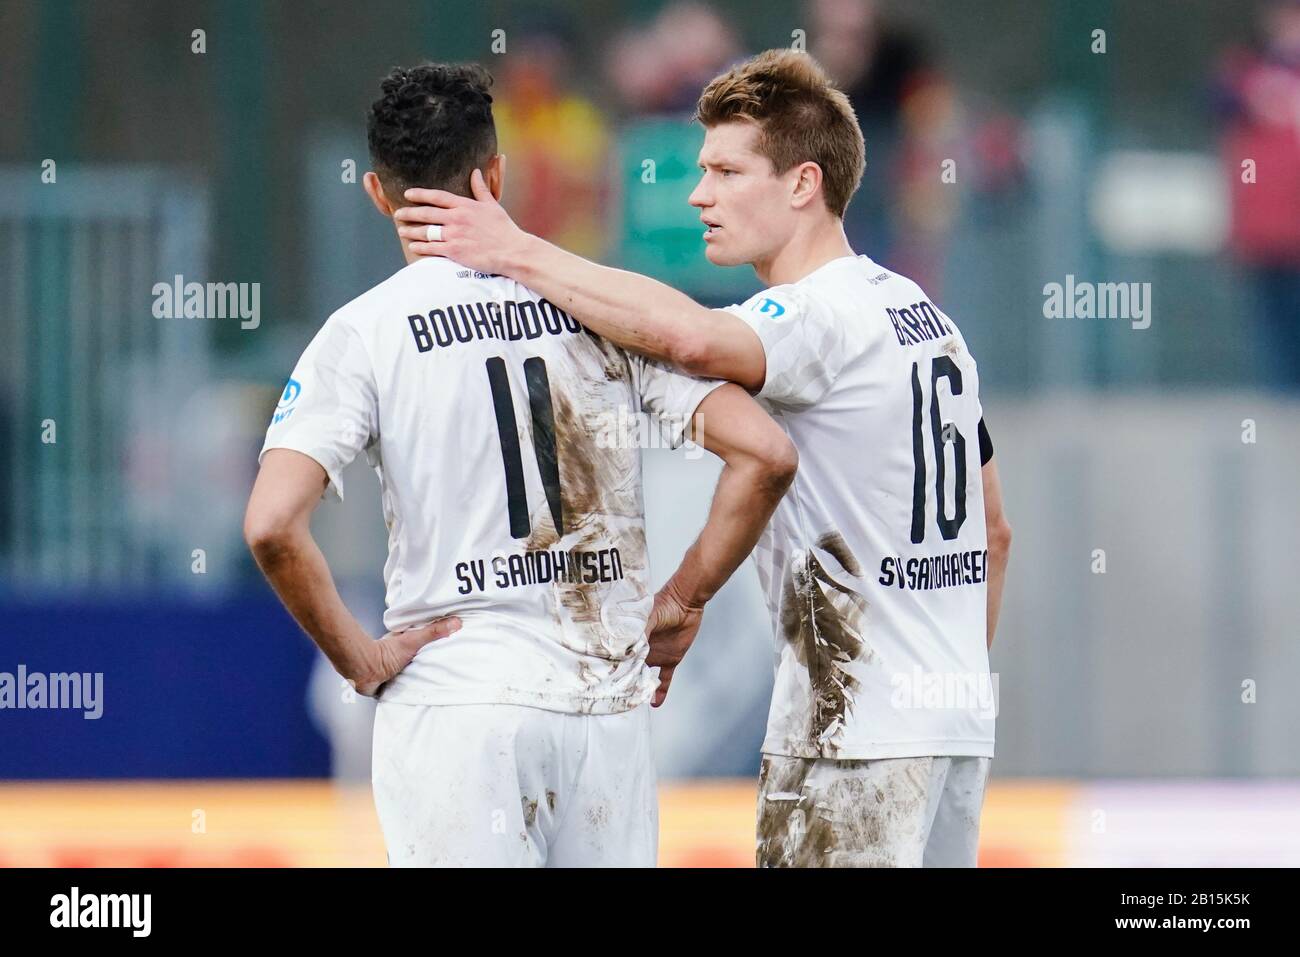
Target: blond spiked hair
802 117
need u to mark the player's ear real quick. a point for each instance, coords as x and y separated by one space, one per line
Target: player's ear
807 181
494 174
375 190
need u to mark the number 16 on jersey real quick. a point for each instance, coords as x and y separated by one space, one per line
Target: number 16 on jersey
941 367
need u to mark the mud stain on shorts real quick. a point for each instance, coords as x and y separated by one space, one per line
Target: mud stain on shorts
817 812
530 810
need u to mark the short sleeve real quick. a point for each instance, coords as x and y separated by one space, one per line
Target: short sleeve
669 396
803 343
329 407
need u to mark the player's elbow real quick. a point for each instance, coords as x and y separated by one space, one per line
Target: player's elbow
776 461
267 532
999 532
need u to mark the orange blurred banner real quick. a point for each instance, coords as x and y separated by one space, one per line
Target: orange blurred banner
318 823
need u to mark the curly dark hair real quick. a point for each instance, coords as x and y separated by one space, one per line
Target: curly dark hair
432 127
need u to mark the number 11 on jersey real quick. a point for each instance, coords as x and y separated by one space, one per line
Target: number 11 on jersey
539 404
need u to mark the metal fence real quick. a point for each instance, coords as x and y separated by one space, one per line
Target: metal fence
89 378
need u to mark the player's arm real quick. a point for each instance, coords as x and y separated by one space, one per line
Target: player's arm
277 527
999 533
633 311
759 462
641 314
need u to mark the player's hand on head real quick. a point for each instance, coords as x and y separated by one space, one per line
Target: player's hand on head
671 629
476 232
393 652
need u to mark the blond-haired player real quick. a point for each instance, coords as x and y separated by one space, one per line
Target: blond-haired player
883 566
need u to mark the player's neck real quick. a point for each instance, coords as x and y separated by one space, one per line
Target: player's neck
407 254
805 254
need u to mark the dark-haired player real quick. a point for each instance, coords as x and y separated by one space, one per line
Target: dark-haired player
523 736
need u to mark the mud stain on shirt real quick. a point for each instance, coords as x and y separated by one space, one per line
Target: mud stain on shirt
600 500
823 620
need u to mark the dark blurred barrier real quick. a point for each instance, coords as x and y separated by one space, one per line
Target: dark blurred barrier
190 689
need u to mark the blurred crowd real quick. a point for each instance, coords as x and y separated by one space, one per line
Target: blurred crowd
561 119
558 134
1258 95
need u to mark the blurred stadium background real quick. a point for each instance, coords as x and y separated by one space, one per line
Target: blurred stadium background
1148 649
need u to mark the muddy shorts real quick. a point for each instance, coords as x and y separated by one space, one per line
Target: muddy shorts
892 812
510 786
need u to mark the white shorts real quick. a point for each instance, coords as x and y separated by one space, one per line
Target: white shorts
891 812
497 785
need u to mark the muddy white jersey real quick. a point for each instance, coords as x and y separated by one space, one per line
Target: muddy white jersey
502 435
874 564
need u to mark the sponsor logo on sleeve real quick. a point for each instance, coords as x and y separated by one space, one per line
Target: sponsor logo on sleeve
285 406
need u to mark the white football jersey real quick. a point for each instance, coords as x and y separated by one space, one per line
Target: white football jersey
874 564
501 431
